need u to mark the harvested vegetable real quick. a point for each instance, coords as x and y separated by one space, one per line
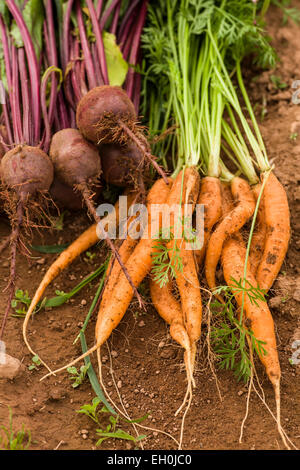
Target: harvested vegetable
234 221
277 220
138 265
81 244
257 316
122 165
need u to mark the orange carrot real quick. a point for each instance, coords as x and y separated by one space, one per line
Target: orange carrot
87 239
277 217
231 223
259 234
227 199
185 190
257 317
210 197
138 265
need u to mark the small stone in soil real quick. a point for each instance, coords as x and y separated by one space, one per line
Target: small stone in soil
10 367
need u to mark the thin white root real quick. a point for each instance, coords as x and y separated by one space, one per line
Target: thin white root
117 390
35 354
87 353
278 414
247 407
189 367
29 314
187 394
183 419
274 417
190 379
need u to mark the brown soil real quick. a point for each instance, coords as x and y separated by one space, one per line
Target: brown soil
147 365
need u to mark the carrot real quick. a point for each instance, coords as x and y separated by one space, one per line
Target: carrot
227 199
257 318
138 265
87 239
259 234
230 224
277 219
210 197
185 190
170 310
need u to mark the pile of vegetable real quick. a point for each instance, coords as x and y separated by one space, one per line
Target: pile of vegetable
182 72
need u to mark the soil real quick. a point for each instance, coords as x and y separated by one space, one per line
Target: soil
146 363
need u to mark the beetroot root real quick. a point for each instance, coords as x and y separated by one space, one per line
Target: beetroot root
26 172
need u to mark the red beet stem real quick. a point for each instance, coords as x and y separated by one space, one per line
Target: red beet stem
34 70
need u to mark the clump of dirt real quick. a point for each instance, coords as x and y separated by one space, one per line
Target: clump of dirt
147 365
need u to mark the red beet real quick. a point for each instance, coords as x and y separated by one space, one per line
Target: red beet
107 115
103 102
66 198
26 170
122 165
75 159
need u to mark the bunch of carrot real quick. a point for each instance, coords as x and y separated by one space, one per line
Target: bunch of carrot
190 47
192 52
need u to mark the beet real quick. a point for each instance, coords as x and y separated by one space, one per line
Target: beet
27 170
122 165
75 159
66 198
98 103
106 115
